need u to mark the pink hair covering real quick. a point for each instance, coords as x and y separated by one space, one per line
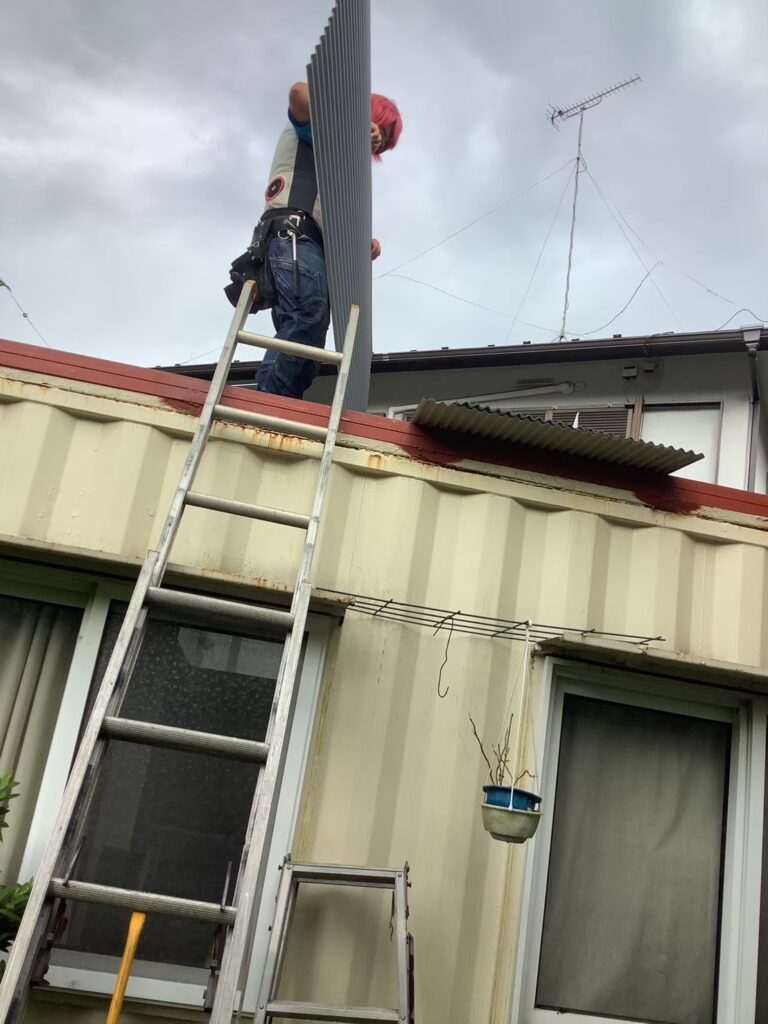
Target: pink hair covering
385 114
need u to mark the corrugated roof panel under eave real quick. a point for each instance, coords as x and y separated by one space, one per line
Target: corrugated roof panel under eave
339 76
500 425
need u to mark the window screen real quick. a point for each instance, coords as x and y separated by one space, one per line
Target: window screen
165 821
632 912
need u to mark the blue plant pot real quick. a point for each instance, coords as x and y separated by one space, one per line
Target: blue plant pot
522 800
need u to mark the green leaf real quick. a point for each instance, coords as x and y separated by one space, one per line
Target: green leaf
13 898
7 785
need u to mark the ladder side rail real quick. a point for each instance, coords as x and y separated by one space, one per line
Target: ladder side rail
250 881
330 442
403 967
14 989
292 898
202 431
292 651
236 958
277 941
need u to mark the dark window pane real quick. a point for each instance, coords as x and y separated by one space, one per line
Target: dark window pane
165 821
632 914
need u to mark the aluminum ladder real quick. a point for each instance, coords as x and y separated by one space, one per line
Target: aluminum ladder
292 876
52 882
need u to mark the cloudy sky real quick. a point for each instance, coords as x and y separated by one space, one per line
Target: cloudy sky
136 139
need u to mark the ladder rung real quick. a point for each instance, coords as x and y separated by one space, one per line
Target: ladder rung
150 903
291 348
332 874
231 613
272 423
242 508
154 735
320 1011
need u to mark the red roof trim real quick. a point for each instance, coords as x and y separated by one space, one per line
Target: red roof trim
186 394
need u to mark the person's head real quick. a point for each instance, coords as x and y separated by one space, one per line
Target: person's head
386 118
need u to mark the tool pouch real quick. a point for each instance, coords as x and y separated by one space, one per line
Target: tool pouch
253 265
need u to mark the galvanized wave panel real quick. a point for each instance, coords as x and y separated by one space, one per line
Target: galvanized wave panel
517 428
339 75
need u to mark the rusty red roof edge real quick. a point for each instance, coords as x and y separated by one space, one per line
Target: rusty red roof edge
187 394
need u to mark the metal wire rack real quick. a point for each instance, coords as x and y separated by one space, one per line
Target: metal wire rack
465 622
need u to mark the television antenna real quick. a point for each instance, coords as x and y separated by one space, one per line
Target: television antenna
554 116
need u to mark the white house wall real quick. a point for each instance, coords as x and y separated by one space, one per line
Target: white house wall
676 379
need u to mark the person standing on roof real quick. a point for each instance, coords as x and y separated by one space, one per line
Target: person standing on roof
293 224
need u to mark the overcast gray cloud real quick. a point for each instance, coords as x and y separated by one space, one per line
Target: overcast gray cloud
136 140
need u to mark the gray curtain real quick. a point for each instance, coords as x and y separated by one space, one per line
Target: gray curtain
632 908
36 645
761 1014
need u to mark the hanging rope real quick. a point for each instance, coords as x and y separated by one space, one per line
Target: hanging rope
528 717
444 693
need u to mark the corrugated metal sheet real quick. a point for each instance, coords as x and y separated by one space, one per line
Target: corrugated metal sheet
501 425
95 475
393 773
339 76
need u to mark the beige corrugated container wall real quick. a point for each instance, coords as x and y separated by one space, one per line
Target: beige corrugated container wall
394 772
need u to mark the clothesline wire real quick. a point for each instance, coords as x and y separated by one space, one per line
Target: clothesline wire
467 622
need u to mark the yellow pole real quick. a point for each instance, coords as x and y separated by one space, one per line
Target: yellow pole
134 932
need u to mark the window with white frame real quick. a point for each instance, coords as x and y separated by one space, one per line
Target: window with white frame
182 816
691 427
644 879
615 420
167 821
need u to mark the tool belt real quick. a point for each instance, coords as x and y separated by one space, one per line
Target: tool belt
253 265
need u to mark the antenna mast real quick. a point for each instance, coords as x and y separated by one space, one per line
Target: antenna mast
555 115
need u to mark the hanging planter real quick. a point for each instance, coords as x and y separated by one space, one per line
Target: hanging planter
510 814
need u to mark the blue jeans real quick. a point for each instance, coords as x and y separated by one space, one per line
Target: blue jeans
303 317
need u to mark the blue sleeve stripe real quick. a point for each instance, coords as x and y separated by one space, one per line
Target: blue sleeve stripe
303 129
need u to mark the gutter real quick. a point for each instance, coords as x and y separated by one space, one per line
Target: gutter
639 347
752 341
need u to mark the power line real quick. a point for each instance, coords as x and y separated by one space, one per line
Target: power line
709 291
742 310
629 242
191 358
538 259
469 302
669 266
4 284
626 304
488 213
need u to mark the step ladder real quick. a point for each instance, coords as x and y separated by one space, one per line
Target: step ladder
28 960
292 876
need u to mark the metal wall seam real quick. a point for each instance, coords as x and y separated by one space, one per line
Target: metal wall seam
340 89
